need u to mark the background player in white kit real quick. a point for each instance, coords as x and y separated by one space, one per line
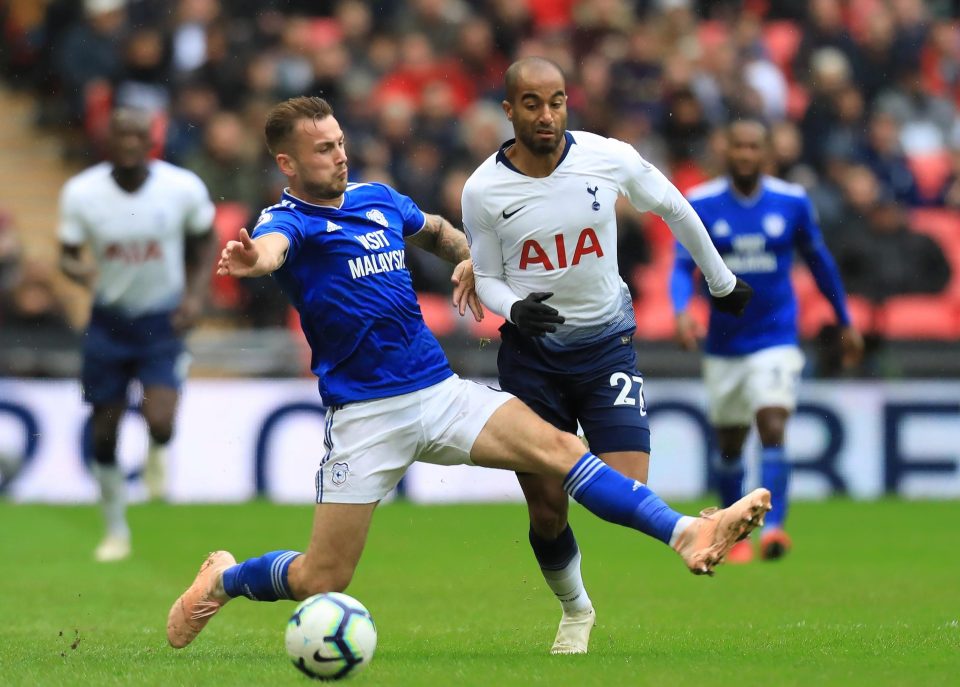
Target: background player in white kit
338 250
147 225
540 216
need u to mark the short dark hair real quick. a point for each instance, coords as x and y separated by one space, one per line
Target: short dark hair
750 121
283 117
511 78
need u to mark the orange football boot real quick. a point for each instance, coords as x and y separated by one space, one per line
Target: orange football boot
774 544
707 541
193 610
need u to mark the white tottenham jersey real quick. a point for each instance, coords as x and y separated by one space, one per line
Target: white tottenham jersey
559 233
137 238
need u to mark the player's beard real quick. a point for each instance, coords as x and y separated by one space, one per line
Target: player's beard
539 146
745 182
330 191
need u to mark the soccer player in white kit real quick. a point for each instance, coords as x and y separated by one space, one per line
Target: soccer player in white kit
541 220
338 250
147 225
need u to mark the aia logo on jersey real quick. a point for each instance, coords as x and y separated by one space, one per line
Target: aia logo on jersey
133 252
535 254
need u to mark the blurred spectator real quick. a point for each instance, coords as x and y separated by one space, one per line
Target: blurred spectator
879 59
10 251
829 75
35 336
882 154
888 259
824 28
196 102
636 88
225 161
90 53
144 83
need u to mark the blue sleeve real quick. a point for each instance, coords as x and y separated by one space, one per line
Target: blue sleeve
822 266
681 278
413 219
280 220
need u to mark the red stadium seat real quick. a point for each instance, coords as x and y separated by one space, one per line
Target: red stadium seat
931 171
782 39
944 227
655 317
488 328
230 217
437 313
920 317
815 311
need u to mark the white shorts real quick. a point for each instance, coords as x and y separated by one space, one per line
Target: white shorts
739 386
370 444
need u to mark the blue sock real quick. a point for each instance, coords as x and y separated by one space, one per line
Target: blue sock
554 554
729 471
616 498
775 476
260 579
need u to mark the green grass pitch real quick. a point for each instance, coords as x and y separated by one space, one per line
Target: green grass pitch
870 596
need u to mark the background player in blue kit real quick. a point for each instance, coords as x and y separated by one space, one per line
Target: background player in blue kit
540 213
147 225
752 363
338 249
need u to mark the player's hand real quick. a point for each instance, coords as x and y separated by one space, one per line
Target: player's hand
533 317
689 332
852 344
186 316
465 290
238 258
735 302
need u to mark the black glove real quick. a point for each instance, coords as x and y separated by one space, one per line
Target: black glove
735 302
533 317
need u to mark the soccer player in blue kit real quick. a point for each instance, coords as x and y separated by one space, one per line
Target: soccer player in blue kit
337 248
752 363
540 214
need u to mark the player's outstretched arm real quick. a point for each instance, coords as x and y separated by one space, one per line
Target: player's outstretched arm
442 239
253 257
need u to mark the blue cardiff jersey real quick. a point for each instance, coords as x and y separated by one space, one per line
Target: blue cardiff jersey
757 237
345 273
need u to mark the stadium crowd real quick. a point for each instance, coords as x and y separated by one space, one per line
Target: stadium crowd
861 97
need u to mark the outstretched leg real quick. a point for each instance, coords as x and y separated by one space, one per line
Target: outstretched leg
339 535
515 438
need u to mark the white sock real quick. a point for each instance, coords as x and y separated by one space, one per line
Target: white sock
567 584
113 498
678 529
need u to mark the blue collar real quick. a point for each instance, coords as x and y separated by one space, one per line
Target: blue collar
502 155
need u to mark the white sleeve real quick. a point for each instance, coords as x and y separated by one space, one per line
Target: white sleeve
486 252
200 209
650 191
685 224
70 229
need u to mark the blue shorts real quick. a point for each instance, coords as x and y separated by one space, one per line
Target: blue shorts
118 349
598 386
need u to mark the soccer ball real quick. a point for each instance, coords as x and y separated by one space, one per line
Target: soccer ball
331 636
